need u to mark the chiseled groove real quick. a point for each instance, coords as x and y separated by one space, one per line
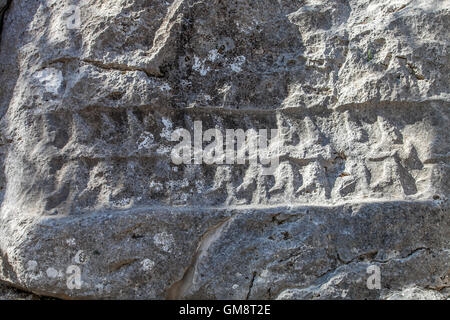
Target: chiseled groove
120 67
178 290
295 209
243 110
112 66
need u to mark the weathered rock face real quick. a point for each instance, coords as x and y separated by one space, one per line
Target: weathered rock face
8 293
92 205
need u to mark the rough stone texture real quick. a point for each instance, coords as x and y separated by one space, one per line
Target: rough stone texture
8 293
359 90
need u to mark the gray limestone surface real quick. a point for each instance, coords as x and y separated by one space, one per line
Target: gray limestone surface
93 206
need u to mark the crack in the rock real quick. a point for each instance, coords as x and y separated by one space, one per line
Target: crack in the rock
371 255
119 265
437 289
178 290
105 66
371 259
413 252
121 67
158 53
412 68
318 282
250 288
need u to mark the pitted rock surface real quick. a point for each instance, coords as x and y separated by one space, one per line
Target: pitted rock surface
359 91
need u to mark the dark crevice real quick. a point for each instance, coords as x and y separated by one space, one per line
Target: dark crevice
251 286
2 16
